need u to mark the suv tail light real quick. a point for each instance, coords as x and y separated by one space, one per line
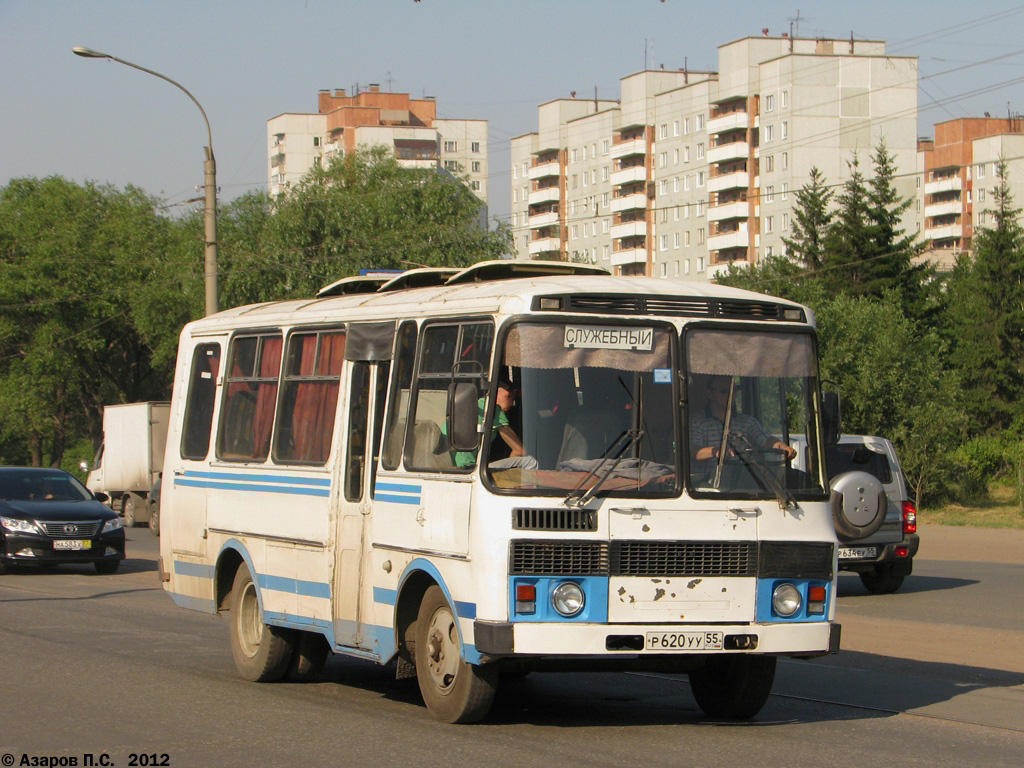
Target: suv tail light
909 517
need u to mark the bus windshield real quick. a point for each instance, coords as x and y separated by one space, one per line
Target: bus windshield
594 409
752 417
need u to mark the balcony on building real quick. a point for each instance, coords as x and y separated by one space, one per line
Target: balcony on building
943 232
728 180
945 180
943 208
544 170
630 140
635 201
728 121
731 208
544 215
546 194
725 238
629 174
545 246
416 153
631 253
728 147
727 255
630 226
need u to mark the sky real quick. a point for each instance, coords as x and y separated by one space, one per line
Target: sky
247 61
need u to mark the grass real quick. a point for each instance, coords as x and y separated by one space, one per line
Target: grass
1000 510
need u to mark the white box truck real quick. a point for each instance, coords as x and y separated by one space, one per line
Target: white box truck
130 457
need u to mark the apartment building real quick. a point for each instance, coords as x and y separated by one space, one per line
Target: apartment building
958 172
689 171
296 142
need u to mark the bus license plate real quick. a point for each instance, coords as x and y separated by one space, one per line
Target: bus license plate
857 553
71 544
685 641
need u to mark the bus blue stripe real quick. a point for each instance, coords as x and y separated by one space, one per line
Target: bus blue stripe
398 487
199 570
295 586
397 499
323 481
252 487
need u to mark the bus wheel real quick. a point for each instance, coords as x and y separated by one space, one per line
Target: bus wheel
733 687
261 652
453 690
307 663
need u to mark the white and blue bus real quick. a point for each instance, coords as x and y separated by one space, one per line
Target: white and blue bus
516 466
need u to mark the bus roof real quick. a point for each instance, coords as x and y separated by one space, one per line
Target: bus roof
502 291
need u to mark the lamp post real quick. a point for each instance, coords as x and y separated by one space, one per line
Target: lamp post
209 180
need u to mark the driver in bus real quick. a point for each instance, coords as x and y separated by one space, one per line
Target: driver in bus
707 425
517 458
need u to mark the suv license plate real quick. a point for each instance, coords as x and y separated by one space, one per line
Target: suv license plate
72 544
857 553
685 641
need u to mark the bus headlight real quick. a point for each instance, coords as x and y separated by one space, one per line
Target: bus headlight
786 600
567 598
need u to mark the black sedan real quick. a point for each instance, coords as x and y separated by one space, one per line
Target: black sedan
48 517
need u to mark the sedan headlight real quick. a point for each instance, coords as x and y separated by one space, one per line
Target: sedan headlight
786 600
112 525
17 525
567 598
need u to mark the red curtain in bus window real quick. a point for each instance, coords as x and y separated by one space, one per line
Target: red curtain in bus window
266 395
316 401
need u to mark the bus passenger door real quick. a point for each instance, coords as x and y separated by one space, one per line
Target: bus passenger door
367 383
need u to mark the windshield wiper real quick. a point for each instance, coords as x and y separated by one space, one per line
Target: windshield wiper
623 442
753 460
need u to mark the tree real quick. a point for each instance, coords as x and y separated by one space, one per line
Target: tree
71 258
986 306
866 252
893 383
362 211
810 224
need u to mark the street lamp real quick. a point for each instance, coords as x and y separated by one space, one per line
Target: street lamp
209 180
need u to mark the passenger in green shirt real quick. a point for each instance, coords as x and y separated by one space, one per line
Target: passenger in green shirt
506 398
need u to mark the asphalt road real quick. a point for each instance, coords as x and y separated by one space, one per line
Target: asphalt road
106 670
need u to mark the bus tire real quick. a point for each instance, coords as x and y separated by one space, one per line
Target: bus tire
453 690
308 660
733 687
261 652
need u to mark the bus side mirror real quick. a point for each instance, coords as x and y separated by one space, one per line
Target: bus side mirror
462 416
830 416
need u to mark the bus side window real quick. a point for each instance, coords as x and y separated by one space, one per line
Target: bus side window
309 397
248 416
202 388
398 407
358 413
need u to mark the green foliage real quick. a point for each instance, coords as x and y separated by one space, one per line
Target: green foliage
96 283
71 257
894 384
362 211
986 317
811 222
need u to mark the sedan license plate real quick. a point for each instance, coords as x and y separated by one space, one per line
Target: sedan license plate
685 641
72 544
857 553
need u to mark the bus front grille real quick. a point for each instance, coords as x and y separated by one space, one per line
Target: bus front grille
684 558
559 558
